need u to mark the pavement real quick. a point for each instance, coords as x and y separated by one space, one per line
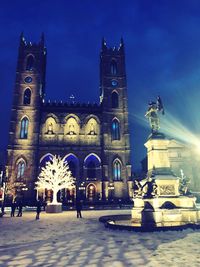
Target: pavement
64 240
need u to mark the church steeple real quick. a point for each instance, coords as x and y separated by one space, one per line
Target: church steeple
115 113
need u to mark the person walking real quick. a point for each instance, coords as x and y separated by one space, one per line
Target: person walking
13 207
38 210
20 208
78 208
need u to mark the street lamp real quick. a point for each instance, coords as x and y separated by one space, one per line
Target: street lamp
110 190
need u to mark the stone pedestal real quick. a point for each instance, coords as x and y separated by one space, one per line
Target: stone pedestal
54 208
154 212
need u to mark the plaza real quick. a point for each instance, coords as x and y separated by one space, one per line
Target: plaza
64 240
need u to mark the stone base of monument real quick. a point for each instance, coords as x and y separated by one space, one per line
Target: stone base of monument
54 208
165 211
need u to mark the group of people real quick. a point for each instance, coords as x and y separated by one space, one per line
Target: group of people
19 206
15 205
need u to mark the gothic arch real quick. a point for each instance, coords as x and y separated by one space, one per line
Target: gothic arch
90 117
72 125
46 155
92 166
72 115
115 99
20 158
20 168
117 169
91 191
27 96
92 126
24 126
29 62
113 67
115 129
73 163
50 126
51 115
92 154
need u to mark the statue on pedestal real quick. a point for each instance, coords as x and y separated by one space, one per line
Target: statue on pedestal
152 114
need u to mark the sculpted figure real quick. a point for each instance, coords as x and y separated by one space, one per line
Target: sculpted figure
137 189
151 188
152 114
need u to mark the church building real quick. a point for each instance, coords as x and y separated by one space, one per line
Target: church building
93 138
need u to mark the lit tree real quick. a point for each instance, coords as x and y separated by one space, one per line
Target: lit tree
55 176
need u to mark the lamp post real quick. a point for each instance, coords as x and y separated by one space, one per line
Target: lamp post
81 189
3 185
110 190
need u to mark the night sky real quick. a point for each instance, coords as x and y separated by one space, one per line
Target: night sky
162 45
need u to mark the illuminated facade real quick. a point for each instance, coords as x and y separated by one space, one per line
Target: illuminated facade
94 139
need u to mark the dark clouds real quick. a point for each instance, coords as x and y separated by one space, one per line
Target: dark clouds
162 41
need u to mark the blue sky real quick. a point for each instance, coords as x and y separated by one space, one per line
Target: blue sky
162 44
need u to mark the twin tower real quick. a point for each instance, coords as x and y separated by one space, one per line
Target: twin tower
93 138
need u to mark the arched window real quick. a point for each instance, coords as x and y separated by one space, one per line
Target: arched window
30 63
20 169
72 127
72 167
113 68
92 165
24 128
51 126
45 159
117 170
27 96
115 130
92 127
91 170
73 164
115 100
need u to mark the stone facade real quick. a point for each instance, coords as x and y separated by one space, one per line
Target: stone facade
94 139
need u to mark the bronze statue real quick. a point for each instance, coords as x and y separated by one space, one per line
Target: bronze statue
152 114
137 189
151 188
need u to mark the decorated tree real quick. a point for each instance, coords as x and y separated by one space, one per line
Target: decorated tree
55 176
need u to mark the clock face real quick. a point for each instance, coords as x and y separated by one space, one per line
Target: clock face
114 83
28 79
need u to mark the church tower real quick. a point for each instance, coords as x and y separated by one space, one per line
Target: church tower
25 117
115 127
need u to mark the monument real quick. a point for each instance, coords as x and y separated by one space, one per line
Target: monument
162 200
165 199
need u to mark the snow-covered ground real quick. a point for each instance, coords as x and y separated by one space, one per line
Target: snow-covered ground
64 240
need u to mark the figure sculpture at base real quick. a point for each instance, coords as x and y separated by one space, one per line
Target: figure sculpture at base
151 188
137 189
184 182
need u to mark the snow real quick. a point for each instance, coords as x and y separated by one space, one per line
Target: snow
64 240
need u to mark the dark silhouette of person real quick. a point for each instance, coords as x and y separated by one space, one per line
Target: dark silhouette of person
38 209
13 208
78 208
2 210
20 208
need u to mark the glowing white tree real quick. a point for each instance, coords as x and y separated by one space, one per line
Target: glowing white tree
55 176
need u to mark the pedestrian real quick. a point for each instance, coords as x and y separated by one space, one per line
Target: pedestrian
20 208
38 210
78 208
13 208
